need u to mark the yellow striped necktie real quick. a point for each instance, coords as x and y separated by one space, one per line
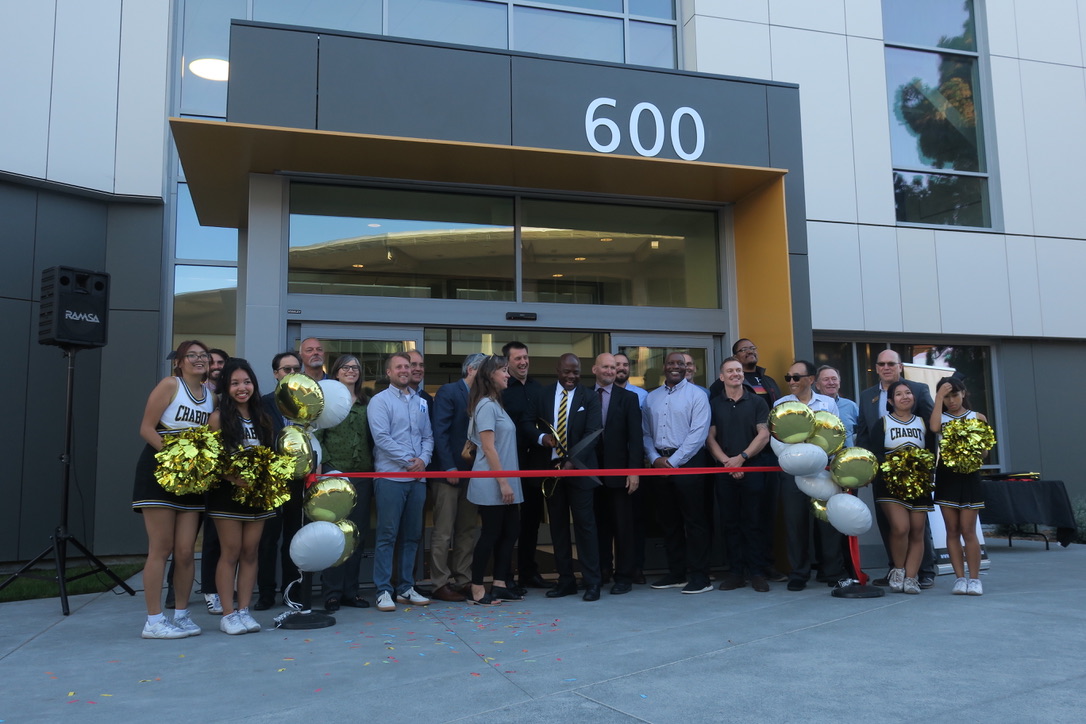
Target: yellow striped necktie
560 424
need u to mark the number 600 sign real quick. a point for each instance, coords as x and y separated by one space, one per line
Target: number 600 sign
593 124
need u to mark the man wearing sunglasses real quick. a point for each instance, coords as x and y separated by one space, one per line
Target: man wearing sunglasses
799 523
869 434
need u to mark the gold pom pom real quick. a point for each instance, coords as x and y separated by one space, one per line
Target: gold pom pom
965 443
189 461
263 477
907 472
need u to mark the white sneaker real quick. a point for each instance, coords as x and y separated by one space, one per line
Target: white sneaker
231 624
961 587
911 585
411 596
250 623
214 605
975 588
384 602
897 579
164 629
187 625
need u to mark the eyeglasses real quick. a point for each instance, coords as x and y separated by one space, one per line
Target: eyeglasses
750 348
350 368
886 364
795 378
288 370
197 356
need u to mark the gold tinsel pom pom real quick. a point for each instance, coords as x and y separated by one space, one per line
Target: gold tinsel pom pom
965 443
189 461
264 475
907 472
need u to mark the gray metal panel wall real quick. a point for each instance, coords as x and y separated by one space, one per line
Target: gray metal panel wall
15 321
417 91
273 77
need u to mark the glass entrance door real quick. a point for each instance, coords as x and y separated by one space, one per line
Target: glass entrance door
371 344
648 351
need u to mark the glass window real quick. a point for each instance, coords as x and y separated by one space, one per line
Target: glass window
939 23
201 242
391 243
653 8
571 34
357 17
445 349
372 355
935 113
205 305
929 198
581 253
469 22
652 44
607 6
207 39
933 116
647 365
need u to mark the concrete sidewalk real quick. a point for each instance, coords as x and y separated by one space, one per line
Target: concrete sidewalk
1013 655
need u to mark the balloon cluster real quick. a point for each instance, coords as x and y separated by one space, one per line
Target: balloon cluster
965 443
908 471
804 442
330 538
189 461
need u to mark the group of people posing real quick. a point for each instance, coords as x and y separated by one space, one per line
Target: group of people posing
499 419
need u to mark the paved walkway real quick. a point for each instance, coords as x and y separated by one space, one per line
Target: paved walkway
1014 655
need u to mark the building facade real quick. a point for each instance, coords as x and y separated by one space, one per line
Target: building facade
826 178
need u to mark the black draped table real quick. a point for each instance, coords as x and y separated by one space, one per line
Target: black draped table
1029 502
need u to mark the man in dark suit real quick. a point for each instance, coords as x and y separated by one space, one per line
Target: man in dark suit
573 412
619 446
520 393
869 435
455 517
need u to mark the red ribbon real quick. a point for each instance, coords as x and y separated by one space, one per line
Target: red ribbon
573 473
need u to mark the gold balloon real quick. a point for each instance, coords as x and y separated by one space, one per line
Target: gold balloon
854 467
329 499
350 539
299 398
293 441
791 422
829 432
818 508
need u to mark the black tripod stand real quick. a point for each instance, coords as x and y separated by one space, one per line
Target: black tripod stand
61 537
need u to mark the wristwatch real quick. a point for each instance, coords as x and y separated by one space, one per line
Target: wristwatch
744 455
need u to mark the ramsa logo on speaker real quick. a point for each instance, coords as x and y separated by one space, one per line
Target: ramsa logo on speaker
82 316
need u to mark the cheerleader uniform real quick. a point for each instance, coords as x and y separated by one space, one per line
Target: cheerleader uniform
220 499
184 412
896 436
954 489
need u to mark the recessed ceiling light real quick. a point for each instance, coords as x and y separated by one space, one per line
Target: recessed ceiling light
578 258
359 266
606 238
557 276
654 244
211 68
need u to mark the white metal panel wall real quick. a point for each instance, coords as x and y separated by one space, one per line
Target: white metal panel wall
1048 31
730 47
973 283
870 136
827 16
833 252
1059 270
863 18
1054 104
142 103
753 11
1002 27
1024 286
26 55
1008 116
818 62
83 119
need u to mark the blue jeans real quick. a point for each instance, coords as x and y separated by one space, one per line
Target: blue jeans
399 512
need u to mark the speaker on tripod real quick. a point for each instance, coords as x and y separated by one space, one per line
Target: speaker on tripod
74 315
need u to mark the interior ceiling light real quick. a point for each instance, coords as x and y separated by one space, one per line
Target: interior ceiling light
557 276
654 244
359 266
211 68
578 258
606 238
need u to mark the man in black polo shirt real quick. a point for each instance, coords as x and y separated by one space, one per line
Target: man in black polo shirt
737 435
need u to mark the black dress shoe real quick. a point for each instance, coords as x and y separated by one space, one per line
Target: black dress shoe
592 593
535 581
927 582
355 602
639 578
620 588
563 589
500 593
263 603
331 604
796 584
